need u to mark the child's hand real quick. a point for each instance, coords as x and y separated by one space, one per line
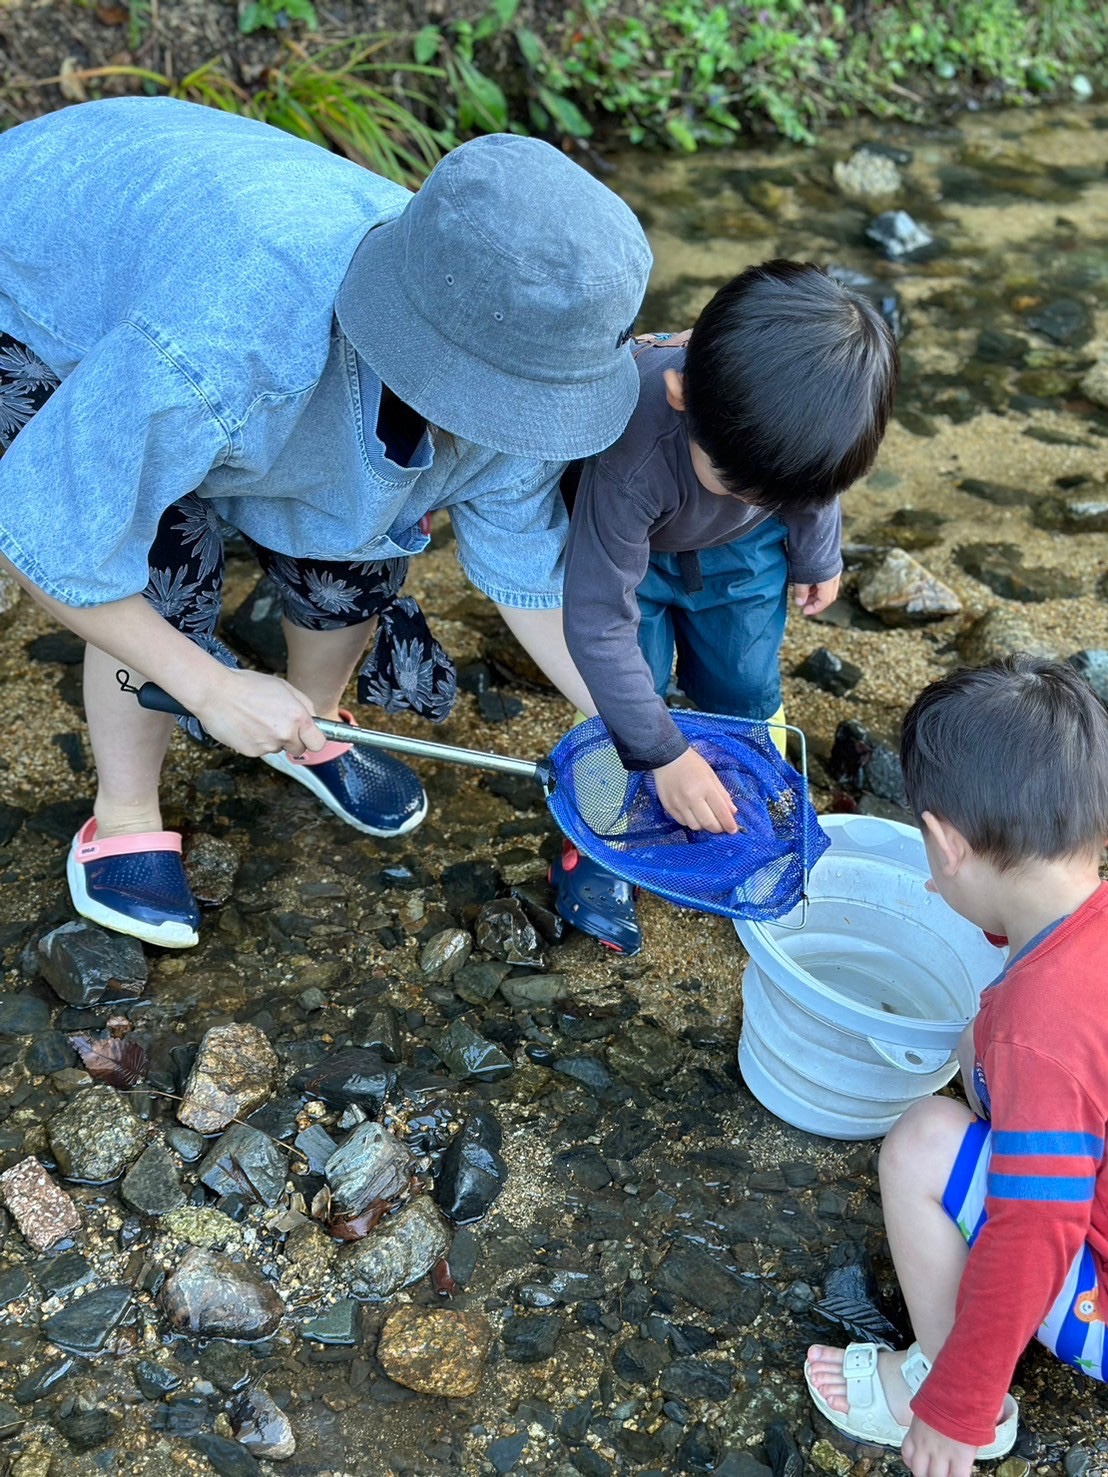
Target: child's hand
692 794
815 598
928 1453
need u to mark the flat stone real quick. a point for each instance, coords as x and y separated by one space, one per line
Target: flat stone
222 1363
468 1056
234 1072
1063 321
63 1274
645 1056
335 1325
831 672
437 1351
259 1423
202 1225
14 1284
1001 632
216 1297
86 965
23 1015
42 1380
530 1338
478 983
155 1381
696 1379
534 991
1000 567
42 1210
95 1136
151 1185
381 1033
445 953
85 1430
996 492
694 1275
84 1326
899 238
316 1145
211 865
228 1458
1075 512
505 932
11 1421
49 1052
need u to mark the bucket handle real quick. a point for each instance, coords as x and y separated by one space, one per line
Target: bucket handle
911 1058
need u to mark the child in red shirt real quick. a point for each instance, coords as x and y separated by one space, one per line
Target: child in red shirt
997 1214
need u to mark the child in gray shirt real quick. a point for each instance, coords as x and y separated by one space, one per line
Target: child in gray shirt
687 533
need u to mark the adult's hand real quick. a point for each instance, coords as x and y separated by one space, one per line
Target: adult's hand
691 792
258 714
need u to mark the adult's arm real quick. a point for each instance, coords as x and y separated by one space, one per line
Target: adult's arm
249 711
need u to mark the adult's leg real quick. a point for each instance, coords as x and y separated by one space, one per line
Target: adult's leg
321 663
928 1250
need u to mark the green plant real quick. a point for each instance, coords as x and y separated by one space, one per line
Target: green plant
271 15
347 96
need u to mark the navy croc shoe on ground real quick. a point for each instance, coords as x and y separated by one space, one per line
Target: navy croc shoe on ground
134 885
366 788
595 902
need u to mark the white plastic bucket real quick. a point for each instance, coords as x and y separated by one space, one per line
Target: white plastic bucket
850 1019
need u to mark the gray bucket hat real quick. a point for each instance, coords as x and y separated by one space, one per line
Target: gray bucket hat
498 304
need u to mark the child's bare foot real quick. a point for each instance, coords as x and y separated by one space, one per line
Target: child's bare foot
825 1369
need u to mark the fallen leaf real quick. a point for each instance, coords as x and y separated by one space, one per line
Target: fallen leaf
70 84
117 1060
442 1279
112 15
359 1226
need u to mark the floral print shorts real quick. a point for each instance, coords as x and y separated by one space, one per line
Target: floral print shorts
405 666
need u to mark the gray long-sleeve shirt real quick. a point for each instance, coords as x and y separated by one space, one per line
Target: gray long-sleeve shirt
641 496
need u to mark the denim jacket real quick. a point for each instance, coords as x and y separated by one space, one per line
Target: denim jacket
177 268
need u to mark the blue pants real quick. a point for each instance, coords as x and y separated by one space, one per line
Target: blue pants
727 636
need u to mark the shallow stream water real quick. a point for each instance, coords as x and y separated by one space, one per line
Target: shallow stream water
668 1237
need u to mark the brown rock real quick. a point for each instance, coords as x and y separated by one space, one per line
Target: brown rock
41 1209
234 1072
212 1295
899 590
436 1351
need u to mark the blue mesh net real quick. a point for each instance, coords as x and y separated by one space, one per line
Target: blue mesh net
614 816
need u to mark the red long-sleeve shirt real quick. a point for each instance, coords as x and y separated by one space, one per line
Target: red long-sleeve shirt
1042 1048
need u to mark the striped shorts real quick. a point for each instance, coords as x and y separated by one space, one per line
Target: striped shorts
1074 1327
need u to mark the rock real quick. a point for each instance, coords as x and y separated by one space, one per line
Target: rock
833 673
1075 512
1094 385
371 1165
349 1075
95 1136
86 965
469 884
692 1274
211 865
478 983
645 1056
259 1424
471 1173
403 1248
228 1458
996 492
537 901
337 1324
825 1458
84 1326
246 1162
505 932
1000 632
42 1380
87 1429
861 761
696 1379
151 1185
899 590
202 1225
1093 666
533 991
445 953
435 1351
185 1142
155 1380
865 176
468 1056
530 1338
1064 321
42 1210
1000 567
49 1052
996 346
505 1452
781 1449
908 528
216 1297
255 627
234 1072
316 1145
899 238
589 1071
23 1015
381 1033
1015 1466
14 1282
64 1274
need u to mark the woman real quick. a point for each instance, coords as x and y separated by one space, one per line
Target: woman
206 322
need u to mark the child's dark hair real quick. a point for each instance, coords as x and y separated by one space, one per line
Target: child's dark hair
1015 755
789 383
